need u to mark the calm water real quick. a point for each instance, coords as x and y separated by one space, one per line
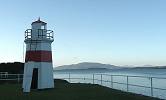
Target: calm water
87 77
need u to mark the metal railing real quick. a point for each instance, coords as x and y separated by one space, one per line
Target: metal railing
11 77
100 79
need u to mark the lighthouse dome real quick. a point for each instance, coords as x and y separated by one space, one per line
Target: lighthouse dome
39 21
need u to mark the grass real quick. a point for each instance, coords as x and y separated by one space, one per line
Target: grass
67 91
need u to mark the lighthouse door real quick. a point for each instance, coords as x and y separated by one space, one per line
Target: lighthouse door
34 79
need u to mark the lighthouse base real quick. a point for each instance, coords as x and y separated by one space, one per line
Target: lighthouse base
37 75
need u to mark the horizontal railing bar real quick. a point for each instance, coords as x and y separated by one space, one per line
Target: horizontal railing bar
138 85
123 75
132 76
11 74
12 79
158 88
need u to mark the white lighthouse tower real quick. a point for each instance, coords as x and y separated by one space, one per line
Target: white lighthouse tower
38 68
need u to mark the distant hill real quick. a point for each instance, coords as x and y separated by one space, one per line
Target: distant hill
87 65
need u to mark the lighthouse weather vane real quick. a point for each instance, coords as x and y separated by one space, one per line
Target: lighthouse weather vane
38 68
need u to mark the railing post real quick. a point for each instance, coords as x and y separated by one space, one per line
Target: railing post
151 85
69 77
6 75
101 79
111 81
18 78
93 79
127 83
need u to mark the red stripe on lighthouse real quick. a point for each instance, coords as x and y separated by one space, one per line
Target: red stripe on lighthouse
38 56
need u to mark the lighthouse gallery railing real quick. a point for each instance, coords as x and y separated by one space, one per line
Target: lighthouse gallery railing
40 33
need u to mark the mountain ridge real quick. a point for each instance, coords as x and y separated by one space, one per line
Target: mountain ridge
87 65
98 66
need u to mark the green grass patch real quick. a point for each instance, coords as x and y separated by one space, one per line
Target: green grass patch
67 91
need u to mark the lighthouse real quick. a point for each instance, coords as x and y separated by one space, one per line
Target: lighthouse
38 67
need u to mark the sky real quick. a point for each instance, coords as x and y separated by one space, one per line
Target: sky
118 32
